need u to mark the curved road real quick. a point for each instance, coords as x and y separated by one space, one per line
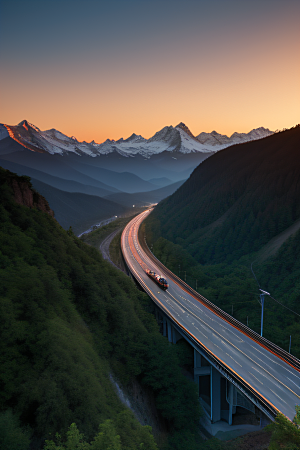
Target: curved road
104 247
274 381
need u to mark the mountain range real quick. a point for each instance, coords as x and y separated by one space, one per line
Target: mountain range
169 138
127 172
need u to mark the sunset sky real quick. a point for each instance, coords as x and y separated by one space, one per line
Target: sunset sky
105 69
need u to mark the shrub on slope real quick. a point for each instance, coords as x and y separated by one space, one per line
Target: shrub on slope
67 317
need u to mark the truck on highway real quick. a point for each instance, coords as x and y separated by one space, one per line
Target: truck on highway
162 282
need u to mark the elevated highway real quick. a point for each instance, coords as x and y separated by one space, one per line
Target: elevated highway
255 370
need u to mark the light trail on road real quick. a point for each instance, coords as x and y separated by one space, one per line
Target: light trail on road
274 380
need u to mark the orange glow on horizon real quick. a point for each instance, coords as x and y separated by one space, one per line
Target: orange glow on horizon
87 134
247 93
232 68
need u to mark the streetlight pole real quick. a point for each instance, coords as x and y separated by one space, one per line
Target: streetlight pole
179 269
262 302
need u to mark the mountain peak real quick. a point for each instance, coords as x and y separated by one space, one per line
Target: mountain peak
183 127
135 138
131 138
25 124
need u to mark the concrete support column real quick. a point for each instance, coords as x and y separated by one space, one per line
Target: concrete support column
232 408
264 420
215 395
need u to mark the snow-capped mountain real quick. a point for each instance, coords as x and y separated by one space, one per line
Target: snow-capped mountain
216 139
170 139
133 138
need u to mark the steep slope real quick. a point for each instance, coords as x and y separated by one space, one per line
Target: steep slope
46 345
68 320
238 199
237 215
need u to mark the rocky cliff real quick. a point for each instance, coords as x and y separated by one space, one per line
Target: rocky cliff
23 192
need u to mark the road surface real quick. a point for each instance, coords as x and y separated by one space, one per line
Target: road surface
274 381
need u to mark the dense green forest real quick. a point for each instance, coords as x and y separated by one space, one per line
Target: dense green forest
215 229
68 320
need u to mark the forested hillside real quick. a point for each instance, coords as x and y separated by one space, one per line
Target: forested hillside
68 320
219 222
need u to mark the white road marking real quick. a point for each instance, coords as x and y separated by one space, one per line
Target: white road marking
256 378
203 323
278 396
298 386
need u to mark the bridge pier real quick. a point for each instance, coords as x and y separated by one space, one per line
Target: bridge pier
166 327
209 381
215 395
173 335
218 396
232 408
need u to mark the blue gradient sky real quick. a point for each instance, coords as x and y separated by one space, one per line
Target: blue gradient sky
105 69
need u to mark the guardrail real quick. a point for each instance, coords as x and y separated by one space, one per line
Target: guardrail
283 354
244 387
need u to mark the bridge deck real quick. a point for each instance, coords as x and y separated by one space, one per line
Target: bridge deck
275 382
